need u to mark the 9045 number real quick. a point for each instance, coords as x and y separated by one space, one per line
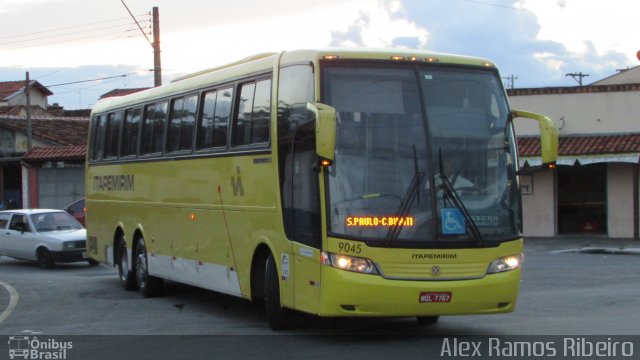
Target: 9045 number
350 248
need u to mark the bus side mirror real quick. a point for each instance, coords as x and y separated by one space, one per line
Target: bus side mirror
548 135
325 117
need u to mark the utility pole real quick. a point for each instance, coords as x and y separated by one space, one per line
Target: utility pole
577 77
511 81
27 92
157 69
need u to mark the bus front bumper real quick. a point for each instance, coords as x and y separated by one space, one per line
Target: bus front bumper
354 294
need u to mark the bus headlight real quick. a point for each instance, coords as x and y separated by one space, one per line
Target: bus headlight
506 263
349 263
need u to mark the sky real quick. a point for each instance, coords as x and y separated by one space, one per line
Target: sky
96 45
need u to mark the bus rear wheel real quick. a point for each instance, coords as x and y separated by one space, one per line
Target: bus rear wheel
279 318
149 286
127 279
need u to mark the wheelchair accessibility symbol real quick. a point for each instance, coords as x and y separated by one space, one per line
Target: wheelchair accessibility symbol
452 221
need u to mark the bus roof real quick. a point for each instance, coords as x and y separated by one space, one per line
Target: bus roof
266 61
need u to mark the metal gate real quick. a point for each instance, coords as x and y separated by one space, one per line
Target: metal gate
58 187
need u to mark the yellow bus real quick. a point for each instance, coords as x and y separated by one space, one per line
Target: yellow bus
330 182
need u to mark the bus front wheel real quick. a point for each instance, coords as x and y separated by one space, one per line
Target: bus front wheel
279 318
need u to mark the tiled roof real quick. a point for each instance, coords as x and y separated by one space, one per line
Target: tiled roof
8 88
584 145
121 92
56 153
64 131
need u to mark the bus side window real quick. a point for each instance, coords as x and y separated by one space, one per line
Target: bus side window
98 140
153 128
254 113
296 156
112 135
129 143
213 125
183 116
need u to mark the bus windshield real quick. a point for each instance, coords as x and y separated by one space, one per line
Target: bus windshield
424 154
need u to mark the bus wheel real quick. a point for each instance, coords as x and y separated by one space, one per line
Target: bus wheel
127 280
427 320
149 286
279 318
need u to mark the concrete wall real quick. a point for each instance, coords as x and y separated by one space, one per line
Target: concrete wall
620 195
538 211
584 113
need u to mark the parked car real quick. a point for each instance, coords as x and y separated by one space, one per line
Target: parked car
76 209
43 235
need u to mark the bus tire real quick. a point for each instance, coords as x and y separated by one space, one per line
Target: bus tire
127 279
149 286
427 320
279 318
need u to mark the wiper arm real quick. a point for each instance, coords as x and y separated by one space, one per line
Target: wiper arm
412 193
455 198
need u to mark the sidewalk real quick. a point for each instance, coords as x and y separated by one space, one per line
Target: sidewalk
584 244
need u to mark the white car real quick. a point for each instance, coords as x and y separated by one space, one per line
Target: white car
44 235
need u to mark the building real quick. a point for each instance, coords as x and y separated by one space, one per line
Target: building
51 173
595 188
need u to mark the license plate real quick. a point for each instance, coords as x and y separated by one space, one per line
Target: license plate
434 297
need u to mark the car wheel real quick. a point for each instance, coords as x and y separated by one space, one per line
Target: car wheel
127 279
279 318
45 259
149 286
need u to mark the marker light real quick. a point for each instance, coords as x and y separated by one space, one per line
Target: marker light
330 57
487 64
192 216
325 162
348 263
551 165
506 263
431 59
397 57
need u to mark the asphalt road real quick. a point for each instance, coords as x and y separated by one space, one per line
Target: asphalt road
561 294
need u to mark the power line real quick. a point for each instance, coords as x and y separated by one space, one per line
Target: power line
69 27
50 36
84 81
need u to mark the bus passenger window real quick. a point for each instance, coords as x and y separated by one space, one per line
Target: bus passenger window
112 136
183 115
130 128
152 128
98 143
212 126
254 113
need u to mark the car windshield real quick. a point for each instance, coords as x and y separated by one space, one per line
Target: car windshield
54 221
423 154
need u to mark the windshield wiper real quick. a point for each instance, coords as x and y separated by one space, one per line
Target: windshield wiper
412 193
455 199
